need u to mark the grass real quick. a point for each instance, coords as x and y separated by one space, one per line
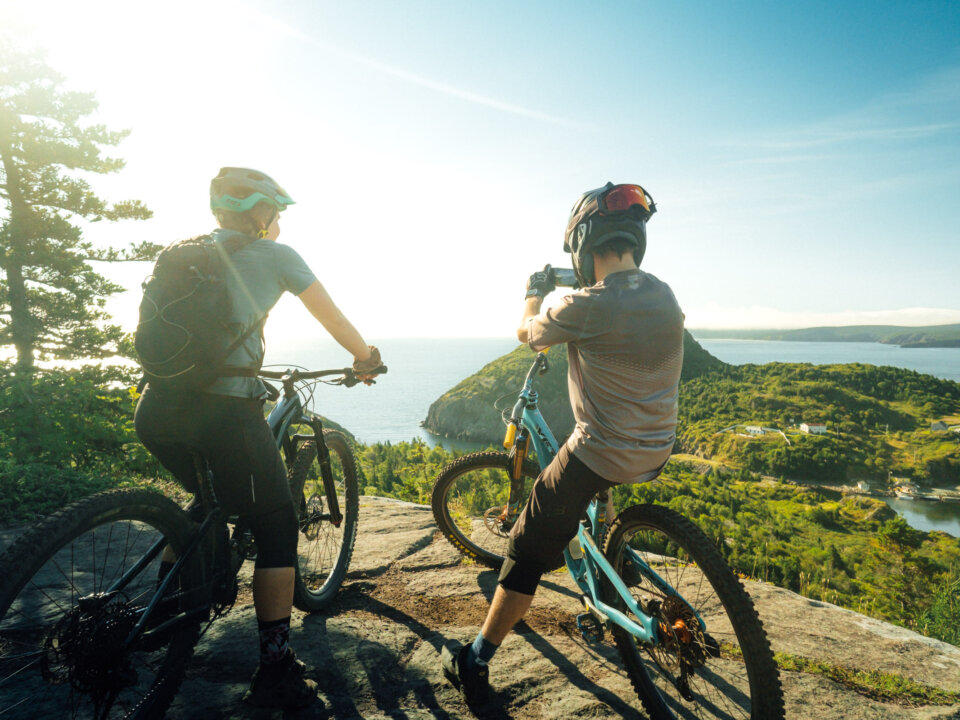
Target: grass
875 684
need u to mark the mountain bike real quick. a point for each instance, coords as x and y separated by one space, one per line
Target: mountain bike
89 628
683 624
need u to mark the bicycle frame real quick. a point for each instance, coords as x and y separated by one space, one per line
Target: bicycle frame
527 424
288 411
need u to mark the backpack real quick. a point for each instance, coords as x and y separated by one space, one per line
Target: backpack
183 336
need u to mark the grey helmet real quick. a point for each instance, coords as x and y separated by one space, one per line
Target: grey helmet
257 187
602 215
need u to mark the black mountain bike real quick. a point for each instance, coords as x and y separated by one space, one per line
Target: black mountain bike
89 630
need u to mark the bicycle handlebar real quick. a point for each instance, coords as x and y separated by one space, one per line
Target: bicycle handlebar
314 374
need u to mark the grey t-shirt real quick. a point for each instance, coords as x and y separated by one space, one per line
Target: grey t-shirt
260 273
625 346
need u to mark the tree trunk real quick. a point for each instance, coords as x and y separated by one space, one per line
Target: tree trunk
21 324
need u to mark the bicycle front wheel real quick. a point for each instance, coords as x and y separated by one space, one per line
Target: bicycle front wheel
324 548
713 659
62 628
471 504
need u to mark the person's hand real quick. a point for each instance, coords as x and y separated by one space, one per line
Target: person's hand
363 369
541 284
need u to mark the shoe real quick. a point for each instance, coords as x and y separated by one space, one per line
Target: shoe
473 684
284 686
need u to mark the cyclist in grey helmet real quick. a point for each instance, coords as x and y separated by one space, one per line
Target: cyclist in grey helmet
225 421
624 335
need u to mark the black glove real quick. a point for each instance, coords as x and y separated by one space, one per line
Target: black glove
363 367
541 283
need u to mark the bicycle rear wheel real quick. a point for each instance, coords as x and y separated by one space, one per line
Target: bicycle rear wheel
324 549
62 637
723 669
469 499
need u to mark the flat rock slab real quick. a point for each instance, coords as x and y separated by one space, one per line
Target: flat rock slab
375 652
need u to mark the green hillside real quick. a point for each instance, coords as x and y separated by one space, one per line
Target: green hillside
467 411
878 418
929 336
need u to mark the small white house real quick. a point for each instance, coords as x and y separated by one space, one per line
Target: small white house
754 429
814 428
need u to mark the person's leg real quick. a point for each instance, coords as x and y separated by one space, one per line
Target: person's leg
546 524
251 481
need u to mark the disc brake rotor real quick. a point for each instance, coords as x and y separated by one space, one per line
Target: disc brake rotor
495 521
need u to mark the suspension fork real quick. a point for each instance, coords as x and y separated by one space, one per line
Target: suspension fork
518 440
326 473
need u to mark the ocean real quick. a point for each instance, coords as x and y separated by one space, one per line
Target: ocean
421 370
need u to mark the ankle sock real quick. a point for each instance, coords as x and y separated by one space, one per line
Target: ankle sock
481 652
274 640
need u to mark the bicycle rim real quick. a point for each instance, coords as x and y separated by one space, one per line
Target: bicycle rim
722 668
470 504
61 659
324 549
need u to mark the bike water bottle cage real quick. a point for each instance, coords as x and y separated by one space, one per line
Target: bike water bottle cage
599 216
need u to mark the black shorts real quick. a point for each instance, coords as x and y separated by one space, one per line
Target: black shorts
232 434
549 521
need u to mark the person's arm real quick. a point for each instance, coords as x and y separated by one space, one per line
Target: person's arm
322 307
531 309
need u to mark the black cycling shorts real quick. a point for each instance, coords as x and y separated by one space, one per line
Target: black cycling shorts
249 477
549 521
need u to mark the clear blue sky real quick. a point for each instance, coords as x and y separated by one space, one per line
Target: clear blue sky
805 157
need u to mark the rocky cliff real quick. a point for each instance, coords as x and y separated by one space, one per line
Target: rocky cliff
376 653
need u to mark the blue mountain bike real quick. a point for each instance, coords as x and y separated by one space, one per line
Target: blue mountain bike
685 627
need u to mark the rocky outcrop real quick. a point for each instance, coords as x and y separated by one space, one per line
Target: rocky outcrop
468 412
376 652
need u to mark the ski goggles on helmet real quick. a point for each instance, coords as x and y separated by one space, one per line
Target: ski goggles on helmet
623 198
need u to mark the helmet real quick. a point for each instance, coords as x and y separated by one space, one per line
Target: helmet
256 187
602 215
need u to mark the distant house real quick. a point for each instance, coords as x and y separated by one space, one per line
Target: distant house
939 426
814 428
754 429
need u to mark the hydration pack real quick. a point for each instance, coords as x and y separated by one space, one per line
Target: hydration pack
184 335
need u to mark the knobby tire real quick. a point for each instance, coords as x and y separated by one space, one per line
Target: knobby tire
323 550
467 496
743 682
78 551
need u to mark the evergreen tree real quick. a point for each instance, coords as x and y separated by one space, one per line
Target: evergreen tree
51 299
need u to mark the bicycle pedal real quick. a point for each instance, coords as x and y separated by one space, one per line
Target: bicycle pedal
590 628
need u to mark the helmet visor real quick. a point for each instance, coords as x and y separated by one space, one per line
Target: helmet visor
621 198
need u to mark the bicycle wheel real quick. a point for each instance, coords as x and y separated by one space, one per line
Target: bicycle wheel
469 500
723 670
324 549
61 644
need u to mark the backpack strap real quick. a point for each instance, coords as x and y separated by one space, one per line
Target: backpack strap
230 245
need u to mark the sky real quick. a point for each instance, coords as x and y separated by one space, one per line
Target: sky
804 157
